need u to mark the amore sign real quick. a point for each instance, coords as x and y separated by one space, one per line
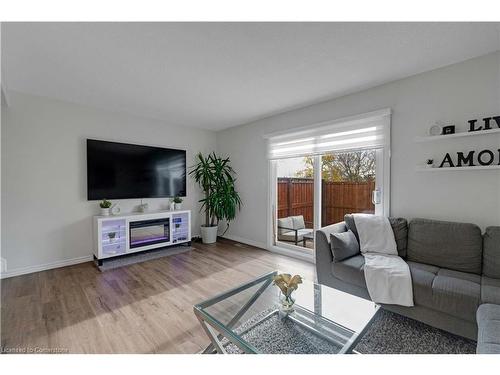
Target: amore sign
484 157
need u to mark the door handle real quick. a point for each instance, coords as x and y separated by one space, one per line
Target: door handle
376 196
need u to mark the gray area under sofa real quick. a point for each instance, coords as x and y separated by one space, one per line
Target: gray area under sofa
454 270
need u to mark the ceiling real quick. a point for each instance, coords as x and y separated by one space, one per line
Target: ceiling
218 75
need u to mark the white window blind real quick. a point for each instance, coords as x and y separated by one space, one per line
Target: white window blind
367 131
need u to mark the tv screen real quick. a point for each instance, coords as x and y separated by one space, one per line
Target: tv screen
121 170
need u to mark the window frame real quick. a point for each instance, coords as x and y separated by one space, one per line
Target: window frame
382 183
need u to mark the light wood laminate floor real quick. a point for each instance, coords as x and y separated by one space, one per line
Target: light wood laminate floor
142 308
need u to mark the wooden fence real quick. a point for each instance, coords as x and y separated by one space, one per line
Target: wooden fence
295 197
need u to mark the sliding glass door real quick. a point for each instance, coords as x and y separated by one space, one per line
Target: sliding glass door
320 173
294 183
348 184
314 191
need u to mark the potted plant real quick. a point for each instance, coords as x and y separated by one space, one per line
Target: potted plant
215 177
287 285
177 202
430 163
105 207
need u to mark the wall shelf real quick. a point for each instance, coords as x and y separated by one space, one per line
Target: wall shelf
475 168
433 138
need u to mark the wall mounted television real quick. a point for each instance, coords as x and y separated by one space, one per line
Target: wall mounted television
121 170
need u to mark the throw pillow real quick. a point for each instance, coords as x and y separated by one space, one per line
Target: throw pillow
343 245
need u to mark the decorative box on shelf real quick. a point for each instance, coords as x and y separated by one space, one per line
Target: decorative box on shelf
124 234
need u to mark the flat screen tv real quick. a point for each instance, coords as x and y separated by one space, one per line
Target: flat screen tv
121 170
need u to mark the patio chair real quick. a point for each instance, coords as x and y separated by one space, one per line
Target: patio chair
292 229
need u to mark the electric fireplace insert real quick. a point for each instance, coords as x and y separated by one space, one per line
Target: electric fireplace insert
149 232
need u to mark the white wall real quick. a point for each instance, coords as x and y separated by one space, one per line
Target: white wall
46 218
454 94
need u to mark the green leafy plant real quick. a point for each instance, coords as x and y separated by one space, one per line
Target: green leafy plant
216 178
177 199
105 204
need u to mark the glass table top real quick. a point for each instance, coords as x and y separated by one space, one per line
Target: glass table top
324 320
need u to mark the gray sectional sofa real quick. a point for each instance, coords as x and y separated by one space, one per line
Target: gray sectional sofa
455 270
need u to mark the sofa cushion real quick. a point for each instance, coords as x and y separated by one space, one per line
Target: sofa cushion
343 245
399 227
422 276
351 270
456 293
456 246
452 292
490 290
351 225
491 252
488 329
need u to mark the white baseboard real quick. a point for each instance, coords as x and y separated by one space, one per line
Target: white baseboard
43 267
246 241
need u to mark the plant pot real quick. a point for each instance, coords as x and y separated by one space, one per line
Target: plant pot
177 206
209 234
105 211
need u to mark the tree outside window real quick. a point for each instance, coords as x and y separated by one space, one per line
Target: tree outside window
355 166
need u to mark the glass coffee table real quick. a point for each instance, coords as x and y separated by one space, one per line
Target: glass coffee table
247 319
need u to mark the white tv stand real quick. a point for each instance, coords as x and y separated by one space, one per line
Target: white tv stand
123 234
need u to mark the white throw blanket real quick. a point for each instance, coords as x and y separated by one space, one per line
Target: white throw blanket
388 277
